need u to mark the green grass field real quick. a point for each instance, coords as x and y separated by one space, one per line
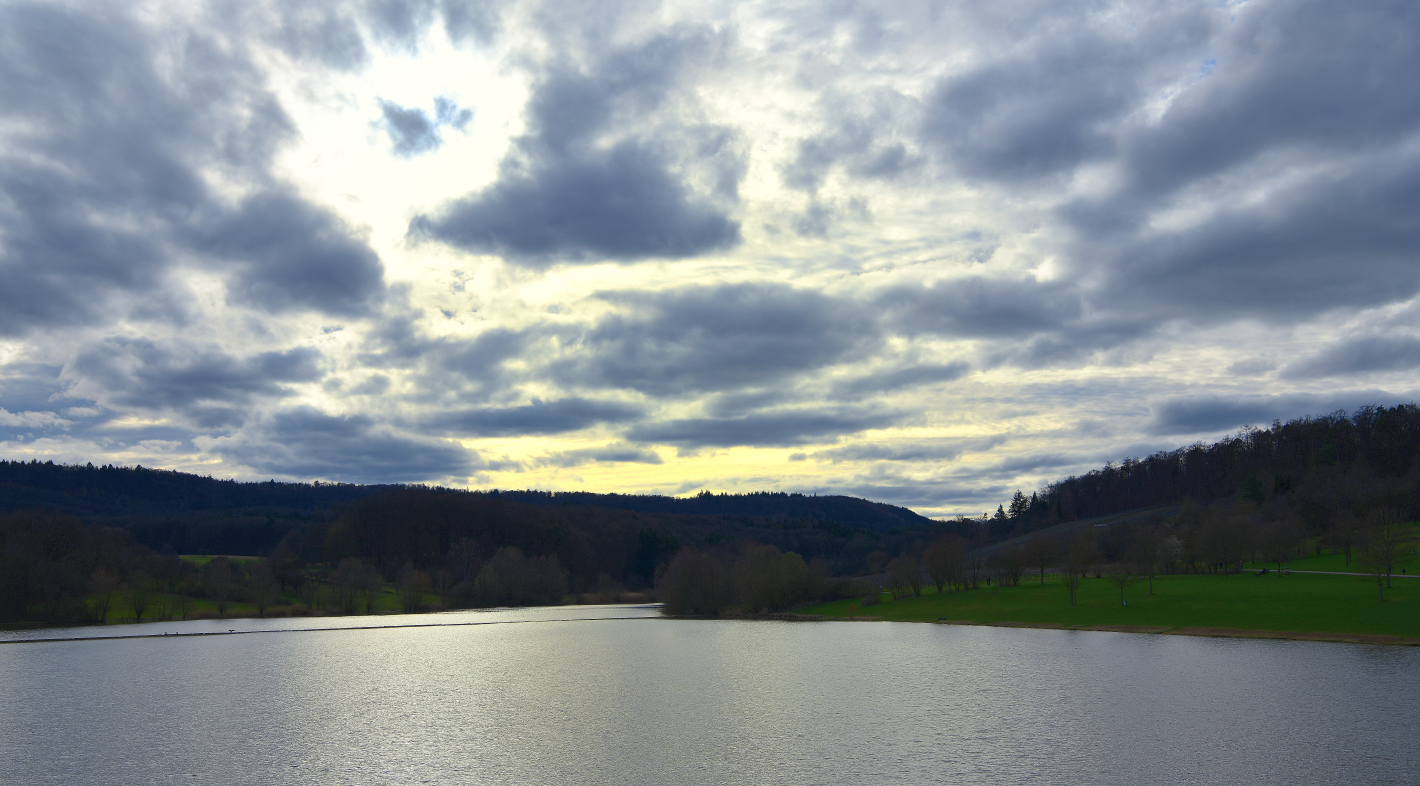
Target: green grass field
1298 602
1337 563
201 560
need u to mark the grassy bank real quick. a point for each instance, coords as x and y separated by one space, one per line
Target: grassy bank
1296 602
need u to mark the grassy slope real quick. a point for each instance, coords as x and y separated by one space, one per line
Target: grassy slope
1295 602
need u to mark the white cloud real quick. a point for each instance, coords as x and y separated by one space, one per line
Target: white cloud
791 247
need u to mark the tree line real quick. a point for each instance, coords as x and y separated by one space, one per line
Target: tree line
432 548
1323 469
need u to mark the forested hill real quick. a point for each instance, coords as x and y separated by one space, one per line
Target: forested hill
1315 468
847 511
109 491
202 515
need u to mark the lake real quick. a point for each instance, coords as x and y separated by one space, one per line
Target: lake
616 695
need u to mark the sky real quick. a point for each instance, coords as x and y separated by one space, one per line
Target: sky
922 253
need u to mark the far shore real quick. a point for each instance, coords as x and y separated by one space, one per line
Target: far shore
1230 633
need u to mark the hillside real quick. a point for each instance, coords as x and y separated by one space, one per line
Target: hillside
847 511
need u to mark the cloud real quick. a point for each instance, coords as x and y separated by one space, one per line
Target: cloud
1051 102
478 21
772 429
399 24
211 387
978 306
104 179
718 338
307 443
1212 414
616 453
935 451
1279 186
859 138
565 194
325 34
1358 356
32 419
903 378
539 417
412 132
288 255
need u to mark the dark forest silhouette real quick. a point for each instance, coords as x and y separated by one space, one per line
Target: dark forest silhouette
80 541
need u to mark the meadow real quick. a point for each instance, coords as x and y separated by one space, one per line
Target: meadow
1244 603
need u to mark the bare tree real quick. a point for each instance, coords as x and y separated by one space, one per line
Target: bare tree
347 582
944 560
1344 534
1075 561
1013 563
265 590
371 585
311 595
1040 552
975 568
903 573
1381 547
1070 575
1222 540
1148 550
413 583
221 583
140 594
1279 540
103 583
1121 576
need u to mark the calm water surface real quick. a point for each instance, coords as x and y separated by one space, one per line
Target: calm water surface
549 699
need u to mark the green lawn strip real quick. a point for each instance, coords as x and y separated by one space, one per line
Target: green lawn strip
201 560
1297 602
1335 563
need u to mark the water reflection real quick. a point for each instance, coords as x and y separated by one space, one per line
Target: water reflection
652 701
206 627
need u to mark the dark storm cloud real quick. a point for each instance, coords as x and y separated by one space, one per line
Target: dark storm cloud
539 417
307 443
1320 76
1204 414
1047 105
718 338
903 378
1347 241
326 34
1358 356
286 254
1312 101
981 307
102 185
563 194
208 386
770 429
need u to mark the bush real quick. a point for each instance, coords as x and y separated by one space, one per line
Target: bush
510 579
754 580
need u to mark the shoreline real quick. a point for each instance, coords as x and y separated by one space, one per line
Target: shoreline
1206 632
